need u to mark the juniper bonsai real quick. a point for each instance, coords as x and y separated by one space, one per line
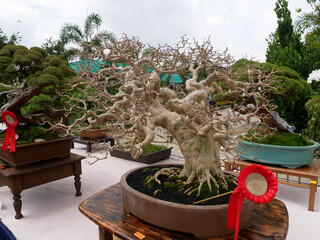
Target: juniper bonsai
142 103
28 82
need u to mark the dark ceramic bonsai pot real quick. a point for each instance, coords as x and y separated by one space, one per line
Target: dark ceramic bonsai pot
144 158
201 221
35 152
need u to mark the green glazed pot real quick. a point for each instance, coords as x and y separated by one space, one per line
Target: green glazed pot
286 156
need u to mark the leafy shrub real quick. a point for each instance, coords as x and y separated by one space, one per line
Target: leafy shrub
313 125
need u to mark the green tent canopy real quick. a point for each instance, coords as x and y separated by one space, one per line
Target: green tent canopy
96 64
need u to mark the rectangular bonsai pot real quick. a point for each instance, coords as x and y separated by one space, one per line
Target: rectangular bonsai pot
144 158
35 152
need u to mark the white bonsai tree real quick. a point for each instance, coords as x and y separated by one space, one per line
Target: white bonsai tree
142 103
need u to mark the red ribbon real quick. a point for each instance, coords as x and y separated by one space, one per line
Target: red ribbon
10 134
241 192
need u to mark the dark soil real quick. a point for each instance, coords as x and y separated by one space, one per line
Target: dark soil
136 179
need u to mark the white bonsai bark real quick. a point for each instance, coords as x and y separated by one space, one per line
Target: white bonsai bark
142 103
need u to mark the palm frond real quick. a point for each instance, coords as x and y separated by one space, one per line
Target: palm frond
94 20
71 33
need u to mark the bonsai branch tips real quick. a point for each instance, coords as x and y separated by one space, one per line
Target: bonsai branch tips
128 95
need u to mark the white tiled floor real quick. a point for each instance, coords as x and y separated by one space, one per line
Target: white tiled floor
51 210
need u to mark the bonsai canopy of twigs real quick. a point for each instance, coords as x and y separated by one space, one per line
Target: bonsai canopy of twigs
142 103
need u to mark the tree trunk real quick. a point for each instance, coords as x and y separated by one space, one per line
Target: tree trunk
201 153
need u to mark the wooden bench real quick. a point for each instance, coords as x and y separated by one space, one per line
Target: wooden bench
310 172
18 179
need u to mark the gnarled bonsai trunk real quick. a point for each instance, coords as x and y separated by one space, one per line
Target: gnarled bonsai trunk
202 157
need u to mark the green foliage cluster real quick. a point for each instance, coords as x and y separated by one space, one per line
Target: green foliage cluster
41 74
313 125
293 91
18 63
29 132
280 139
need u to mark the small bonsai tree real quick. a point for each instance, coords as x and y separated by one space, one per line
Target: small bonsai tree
142 104
28 79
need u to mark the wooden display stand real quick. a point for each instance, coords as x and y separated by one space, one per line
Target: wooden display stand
89 142
18 179
310 172
269 221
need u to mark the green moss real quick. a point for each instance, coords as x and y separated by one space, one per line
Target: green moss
205 190
149 182
282 139
170 184
153 148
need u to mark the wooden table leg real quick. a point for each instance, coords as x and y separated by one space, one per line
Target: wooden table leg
77 172
227 166
104 234
89 148
17 204
313 188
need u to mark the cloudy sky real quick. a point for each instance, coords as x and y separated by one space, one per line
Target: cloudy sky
240 25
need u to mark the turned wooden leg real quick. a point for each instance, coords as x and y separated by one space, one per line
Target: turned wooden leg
89 149
227 166
313 188
104 234
17 204
77 184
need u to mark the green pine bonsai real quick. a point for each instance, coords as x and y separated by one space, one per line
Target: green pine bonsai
28 82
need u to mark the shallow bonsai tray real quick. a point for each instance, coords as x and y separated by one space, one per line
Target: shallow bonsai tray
35 152
286 156
144 158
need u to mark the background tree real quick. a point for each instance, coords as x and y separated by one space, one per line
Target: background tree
309 23
57 47
142 104
13 39
72 33
284 45
293 92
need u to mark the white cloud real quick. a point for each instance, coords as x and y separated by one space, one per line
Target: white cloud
240 25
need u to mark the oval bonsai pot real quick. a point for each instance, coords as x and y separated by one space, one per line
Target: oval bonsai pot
286 156
144 158
93 134
38 151
201 221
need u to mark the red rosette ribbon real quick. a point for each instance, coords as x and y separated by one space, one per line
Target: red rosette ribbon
242 192
11 121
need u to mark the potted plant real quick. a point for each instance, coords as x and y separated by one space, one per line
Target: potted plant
143 103
280 148
28 82
151 154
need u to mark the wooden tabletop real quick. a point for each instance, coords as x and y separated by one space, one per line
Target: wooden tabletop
304 171
10 171
270 221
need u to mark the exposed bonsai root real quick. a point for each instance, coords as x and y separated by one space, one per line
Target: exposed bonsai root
206 177
167 172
